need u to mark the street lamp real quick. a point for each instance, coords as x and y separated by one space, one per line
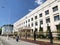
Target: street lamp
50 34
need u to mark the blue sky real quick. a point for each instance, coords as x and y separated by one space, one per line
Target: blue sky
13 10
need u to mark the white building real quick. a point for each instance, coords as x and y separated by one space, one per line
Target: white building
7 29
46 13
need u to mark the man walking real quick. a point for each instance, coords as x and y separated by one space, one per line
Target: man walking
17 38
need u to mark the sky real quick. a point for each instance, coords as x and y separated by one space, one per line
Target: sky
13 10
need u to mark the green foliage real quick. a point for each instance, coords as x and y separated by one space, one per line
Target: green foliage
47 34
59 27
40 29
8 25
59 30
0 30
40 32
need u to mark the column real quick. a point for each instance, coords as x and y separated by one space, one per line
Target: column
52 24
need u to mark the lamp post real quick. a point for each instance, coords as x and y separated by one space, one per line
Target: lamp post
50 34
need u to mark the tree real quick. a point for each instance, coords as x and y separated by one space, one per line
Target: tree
40 29
58 30
50 34
40 32
0 31
59 26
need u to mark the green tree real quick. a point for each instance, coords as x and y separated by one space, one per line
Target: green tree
59 26
58 30
40 29
40 32
0 30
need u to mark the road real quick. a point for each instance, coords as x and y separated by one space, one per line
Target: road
11 41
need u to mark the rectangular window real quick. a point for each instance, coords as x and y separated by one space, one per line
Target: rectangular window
31 19
41 22
28 25
36 23
28 20
48 20
32 24
55 8
35 17
56 18
46 12
40 15
24 22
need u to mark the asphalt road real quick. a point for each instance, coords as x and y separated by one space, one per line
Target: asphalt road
4 42
11 41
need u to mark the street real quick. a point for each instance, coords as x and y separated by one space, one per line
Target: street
11 41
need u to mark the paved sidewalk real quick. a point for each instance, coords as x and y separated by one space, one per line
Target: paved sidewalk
11 41
46 40
41 41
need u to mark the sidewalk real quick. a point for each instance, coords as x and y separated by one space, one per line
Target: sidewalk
46 40
13 41
42 41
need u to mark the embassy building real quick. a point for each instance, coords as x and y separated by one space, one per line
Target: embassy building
47 14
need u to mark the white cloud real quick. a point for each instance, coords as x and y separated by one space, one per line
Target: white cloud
39 2
30 10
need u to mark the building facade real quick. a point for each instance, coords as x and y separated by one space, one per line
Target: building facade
7 29
46 13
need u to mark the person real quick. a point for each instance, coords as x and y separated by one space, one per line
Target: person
17 38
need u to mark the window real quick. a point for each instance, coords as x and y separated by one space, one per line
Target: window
55 8
24 22
31 19
36 29
32 24
28 20
35 17
48 20
28 25
46 12
36 23
56 18
41 22
40 15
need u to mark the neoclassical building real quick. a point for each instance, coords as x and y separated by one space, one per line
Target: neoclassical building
46 13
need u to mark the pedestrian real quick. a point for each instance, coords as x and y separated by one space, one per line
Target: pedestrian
17 38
